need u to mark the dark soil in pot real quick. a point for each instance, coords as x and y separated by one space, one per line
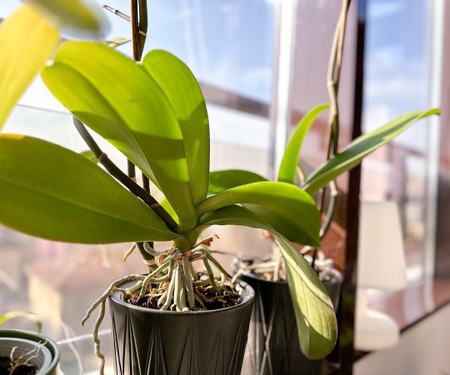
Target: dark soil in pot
273 346
6 368
226 296
149 341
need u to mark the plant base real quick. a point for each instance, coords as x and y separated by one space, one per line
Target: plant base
148 341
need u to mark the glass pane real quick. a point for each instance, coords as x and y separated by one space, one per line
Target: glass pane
396 81
229 47
309 89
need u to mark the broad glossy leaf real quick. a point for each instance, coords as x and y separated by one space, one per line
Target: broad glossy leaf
119 100
70 12
234 215
359 148
51 192
26 41
184 94
288 166
316 322
314 313
285 207
223 180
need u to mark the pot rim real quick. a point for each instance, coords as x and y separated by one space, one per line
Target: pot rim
337 278
41 360
248 297
36 338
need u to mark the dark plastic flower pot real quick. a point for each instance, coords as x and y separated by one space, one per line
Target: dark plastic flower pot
148 341
273 345
47 358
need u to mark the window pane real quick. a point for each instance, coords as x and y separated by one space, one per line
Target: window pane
229 47
397 81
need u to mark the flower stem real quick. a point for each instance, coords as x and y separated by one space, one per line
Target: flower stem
122 177
333 79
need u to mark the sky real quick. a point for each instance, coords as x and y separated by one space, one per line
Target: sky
397 69
228 44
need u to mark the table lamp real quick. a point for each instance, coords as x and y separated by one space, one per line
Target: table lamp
381 265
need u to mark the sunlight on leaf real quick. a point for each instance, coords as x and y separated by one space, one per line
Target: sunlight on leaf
26 42
40 198
285 207
119 100
362 146
70 12
314 312
183 92
289 162
222 180
234 215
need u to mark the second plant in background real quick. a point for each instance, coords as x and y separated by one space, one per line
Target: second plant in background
154 113
273 347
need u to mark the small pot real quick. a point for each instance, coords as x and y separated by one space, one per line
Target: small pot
25 342
273 346
149 341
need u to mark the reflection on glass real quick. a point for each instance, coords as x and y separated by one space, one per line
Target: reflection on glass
229 46
396 81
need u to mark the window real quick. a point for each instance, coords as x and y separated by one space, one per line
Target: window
398 80
246 53
230 48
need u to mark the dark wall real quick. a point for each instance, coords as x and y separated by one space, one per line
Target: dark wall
443 206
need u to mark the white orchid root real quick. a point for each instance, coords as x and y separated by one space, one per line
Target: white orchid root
173 285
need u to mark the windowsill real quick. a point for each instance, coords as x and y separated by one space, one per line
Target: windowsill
414 303
408 307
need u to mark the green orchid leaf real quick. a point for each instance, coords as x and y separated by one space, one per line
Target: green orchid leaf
362 146
167 206
184 94
119 100
51 192
72 13
89 155
314 312
288 166
26 42
234 215
223 180
316 322
285 207
32 317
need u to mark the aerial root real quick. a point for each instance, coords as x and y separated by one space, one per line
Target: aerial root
174 284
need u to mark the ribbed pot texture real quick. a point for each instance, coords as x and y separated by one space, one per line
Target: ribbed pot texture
148 341
273 346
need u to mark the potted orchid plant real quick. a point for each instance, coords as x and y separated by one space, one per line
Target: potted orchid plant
154 113
272 346
178 318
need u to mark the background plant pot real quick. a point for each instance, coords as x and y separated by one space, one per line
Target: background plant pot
273 346
148 341
48 356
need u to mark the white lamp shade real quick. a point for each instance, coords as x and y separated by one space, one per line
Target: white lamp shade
381 261
373 330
